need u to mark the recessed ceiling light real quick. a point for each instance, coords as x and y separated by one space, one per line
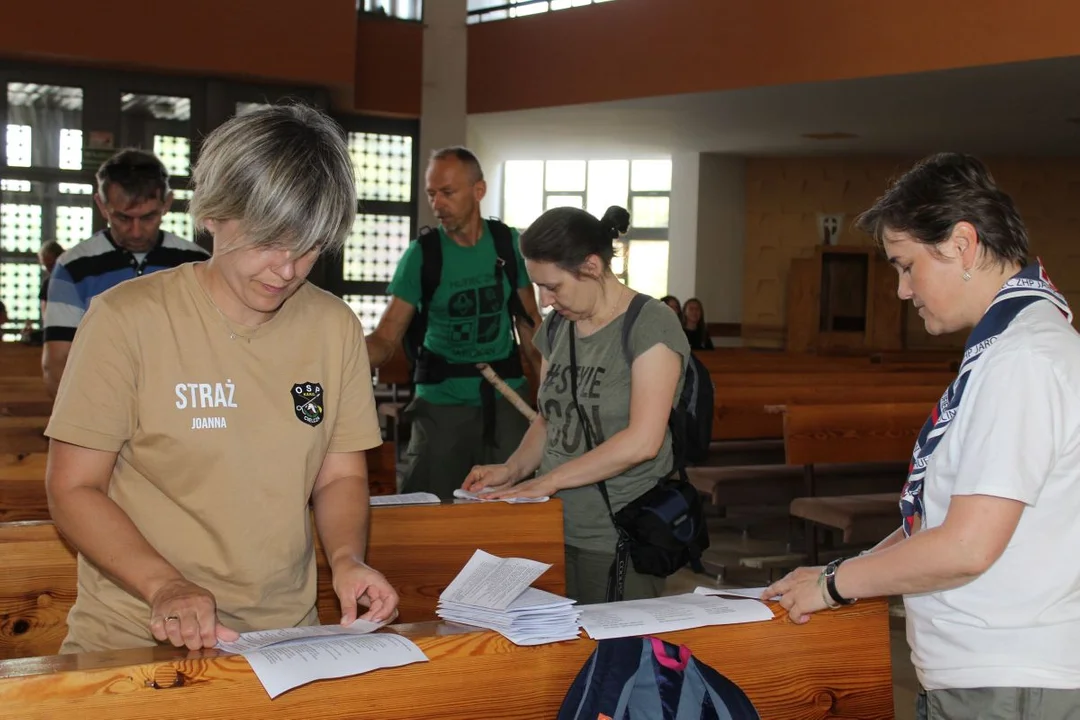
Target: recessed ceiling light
830 136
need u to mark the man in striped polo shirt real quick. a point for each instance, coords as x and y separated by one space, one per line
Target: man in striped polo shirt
132 195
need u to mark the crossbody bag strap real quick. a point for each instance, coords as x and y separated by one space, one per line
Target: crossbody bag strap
617 573
602 486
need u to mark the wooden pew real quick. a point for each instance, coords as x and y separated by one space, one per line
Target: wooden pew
882 432
24 396
419 548
836 665
22 487
756 412
21 435
18 359
745 402
756 360
22 482
848 379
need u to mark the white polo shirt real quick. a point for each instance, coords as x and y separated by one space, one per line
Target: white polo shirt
1017 436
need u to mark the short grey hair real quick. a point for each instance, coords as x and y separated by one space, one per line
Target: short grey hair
284 173
464 155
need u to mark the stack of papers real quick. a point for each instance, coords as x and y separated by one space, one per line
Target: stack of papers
631 618
466 495
291 657
494 593
417 498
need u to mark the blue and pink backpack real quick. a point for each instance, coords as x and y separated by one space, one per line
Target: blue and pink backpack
645 678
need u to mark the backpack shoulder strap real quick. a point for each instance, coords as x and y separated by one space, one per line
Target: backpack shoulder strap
431 264
504 248
632 312
430 275
553 328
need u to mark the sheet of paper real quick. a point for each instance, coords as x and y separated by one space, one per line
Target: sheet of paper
417 498
492 582
288 665
676 612
264 638
754 593
466 495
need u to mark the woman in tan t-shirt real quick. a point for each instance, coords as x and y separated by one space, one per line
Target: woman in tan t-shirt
204 407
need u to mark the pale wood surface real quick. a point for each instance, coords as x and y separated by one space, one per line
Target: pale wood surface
837 665
419 548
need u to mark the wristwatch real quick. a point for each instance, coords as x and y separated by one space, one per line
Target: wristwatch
830 583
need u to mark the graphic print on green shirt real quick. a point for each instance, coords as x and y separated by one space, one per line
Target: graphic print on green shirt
468 321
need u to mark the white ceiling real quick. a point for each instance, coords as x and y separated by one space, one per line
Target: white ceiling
1015 109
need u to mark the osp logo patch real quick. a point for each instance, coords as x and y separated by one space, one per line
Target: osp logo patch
308 402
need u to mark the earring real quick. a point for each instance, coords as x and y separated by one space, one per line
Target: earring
966 276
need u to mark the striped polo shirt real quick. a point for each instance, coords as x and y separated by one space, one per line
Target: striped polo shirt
97 264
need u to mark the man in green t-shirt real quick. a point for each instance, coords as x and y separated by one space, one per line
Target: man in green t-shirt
458 420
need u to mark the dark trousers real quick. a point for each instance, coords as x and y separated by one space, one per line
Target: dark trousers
448 440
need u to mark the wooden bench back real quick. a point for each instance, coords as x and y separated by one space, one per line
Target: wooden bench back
859 378
23 435
22 482
22 487
420 549
18 359
837 665
879 432
747 413
24 395
754 360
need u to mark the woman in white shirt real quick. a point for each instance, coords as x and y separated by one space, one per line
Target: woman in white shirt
992 600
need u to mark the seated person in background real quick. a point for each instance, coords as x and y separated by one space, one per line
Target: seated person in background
133 195
673 302
697 330
204 406
983 556
626 442
47 255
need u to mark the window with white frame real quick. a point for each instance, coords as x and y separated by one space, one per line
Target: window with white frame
642 186
401 9
488 10
43 142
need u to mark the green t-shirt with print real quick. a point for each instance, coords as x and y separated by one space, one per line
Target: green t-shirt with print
468 321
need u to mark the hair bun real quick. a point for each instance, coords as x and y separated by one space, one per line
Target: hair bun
616 221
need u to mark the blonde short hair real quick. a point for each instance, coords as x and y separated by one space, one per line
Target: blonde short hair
284 173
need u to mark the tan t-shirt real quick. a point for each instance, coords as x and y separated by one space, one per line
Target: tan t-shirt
219 440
